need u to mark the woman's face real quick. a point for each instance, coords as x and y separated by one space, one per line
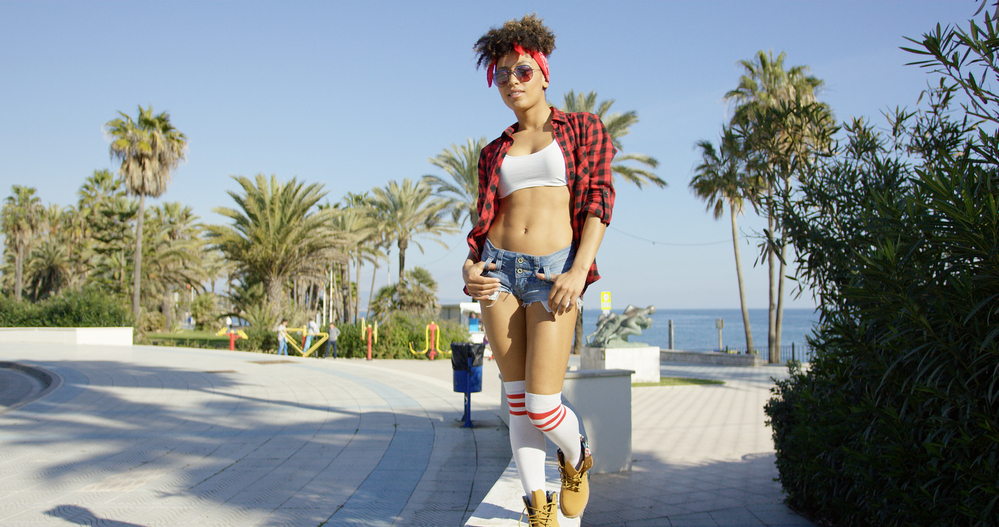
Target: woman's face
519 95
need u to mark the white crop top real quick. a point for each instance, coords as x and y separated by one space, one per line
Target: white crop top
544 168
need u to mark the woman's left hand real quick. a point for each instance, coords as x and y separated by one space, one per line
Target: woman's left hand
566 288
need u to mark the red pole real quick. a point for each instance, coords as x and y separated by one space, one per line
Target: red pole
369 342
232 341
433 330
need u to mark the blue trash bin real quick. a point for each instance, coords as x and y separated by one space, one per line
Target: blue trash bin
466 361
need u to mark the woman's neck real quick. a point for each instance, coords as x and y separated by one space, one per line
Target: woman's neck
534 118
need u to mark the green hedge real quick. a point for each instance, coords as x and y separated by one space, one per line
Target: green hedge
896 422
81 309
396 334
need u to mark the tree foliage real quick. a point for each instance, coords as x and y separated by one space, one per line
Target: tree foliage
276 231
618 125
897 420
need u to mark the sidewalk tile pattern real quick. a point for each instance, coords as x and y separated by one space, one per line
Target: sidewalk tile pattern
152 436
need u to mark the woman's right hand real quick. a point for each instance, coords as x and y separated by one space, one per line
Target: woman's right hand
478 285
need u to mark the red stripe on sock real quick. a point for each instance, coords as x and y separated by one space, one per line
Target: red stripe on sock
557 420
540 416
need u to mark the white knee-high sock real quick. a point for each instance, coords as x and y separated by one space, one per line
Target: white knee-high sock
558 422
526 441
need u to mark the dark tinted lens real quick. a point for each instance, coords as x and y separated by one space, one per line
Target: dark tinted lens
523 72
502 77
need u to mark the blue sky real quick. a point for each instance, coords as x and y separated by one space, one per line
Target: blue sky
355 94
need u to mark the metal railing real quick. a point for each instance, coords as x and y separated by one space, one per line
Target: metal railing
793 351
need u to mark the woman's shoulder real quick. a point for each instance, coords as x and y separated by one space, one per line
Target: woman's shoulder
576 117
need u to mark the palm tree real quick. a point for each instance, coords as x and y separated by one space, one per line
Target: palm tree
777 113
617 125
49 269
277 231
149 149
20 220
174 249
461 162
357 221
722 179
406 211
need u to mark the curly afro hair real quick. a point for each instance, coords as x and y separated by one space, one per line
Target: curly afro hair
530 32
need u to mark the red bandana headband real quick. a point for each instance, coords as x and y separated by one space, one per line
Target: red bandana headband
536 55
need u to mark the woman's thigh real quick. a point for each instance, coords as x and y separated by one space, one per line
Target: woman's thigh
549 341
504 321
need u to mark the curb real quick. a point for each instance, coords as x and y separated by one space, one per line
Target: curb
50 382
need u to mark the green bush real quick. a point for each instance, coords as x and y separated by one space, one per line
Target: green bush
258 339
205 311
896 423
85 308
396 334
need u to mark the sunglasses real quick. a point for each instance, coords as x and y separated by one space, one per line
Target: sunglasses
524 73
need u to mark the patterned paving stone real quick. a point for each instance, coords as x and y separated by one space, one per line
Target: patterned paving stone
144 436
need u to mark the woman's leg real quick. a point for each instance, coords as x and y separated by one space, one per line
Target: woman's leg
504 321
549 341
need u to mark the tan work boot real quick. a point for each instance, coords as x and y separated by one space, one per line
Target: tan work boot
575 484
542 509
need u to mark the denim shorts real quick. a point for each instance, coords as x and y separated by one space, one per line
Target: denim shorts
517 272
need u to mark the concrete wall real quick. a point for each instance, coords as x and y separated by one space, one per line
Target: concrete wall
644 360
69 336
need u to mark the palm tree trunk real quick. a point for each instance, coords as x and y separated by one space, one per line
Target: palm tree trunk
138 256
371 293
167 309
577 339
403 245
772 307
336 293
357 294
742 289
780 297
18 271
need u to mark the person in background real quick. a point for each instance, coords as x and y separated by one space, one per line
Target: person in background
334 333
545 197
282 331
313 330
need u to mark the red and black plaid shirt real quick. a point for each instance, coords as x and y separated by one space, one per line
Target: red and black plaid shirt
588 152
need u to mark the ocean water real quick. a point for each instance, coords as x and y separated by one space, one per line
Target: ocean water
695 329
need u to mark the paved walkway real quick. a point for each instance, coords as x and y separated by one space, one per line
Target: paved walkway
153 436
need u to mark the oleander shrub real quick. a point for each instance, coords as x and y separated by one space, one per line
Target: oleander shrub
896 422
89 307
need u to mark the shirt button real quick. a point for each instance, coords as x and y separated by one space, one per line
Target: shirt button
520 260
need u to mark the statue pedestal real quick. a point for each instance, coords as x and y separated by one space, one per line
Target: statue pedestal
643 360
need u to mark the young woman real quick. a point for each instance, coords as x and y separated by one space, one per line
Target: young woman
545 199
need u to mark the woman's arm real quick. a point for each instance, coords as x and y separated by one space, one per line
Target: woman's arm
568 286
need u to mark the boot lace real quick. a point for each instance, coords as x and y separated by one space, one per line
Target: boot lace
569 482
539 516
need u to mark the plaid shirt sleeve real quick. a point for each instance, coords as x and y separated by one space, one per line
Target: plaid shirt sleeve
588 152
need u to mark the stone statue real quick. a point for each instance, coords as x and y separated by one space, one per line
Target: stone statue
613 330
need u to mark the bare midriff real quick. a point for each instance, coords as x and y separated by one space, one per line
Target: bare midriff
533 220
